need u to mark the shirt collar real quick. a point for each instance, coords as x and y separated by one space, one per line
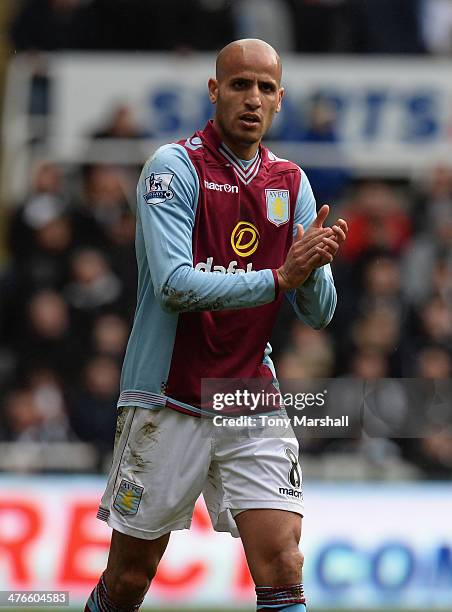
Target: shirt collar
245 170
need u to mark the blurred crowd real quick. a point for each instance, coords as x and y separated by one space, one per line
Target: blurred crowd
393 318
308 26
69 282
68 297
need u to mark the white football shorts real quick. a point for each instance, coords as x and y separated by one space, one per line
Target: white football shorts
163 460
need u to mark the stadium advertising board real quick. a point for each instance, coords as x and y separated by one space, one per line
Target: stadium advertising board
366 546
391 114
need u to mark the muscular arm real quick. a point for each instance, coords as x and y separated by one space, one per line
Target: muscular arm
315 300
167 230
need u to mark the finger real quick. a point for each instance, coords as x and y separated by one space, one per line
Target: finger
325 255
306 256
314 237
321 216
339 232
316 231
331 245
300 232
317 260
342 224
313 231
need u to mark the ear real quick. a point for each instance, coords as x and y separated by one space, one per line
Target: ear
213 90
281 93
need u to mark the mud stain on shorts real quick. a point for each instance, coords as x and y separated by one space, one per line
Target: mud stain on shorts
139 464
143 440
120 422
148 431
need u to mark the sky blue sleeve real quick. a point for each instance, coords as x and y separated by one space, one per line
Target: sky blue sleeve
167 223
315 301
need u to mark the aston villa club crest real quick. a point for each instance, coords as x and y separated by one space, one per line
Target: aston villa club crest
128 498
157 188
278 210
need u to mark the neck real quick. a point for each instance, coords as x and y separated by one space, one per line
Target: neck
243 151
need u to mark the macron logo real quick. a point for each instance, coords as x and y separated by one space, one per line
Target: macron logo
216 187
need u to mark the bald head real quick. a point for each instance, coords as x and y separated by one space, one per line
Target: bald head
247 93
246 53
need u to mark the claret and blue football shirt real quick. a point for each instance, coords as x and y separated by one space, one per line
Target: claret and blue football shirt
211 232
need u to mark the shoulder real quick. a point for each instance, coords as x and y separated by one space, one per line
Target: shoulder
279 164
168 173
170 161
292 173
169 156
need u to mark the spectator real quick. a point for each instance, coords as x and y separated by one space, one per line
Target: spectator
436 321
46 202
47 339
376 220
427 263
382 284
436 454
93 413
433 198
120 124
30 418
434 362
328 183
110 334
121 254
93 285
103 203
290 366
314 351
379 330
21 415
369 364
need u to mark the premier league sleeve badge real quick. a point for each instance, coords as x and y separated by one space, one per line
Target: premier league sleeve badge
158 188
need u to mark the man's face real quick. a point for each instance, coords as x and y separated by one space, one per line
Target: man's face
247 94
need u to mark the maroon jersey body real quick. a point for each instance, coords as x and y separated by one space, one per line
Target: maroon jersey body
244 222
